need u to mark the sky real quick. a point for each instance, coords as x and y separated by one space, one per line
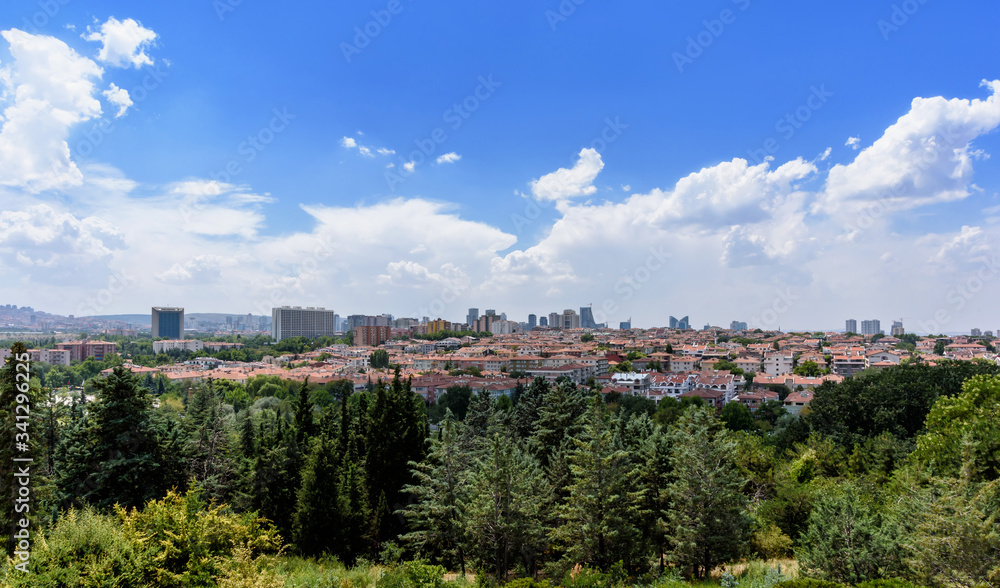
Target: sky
786 164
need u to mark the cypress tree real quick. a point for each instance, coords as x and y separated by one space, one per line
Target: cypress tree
317 521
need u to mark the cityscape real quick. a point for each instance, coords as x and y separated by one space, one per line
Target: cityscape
531 294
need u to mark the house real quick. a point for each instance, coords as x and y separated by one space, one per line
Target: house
777 363
683 364
883 357
638 383
796 401
715 398
670 385
848 365
754 399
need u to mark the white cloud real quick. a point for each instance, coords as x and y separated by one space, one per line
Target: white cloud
384 151
53 89
124 43
449 158
626 188
853 142
348 143
569 183
119 98
924 158
365 151
409 166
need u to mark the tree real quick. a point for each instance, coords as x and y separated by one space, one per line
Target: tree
737 417
963 433
379 359
507 490
437 515
304 424
124 462
707 523
808 368
846 541
15 436
586 338
317 525
597 522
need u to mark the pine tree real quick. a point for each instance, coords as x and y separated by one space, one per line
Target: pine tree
507 491
526 408
317 521
560 418
304 424
436 515
707 523
598 521
15 388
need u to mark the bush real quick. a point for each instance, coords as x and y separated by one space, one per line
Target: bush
809 583
771 542
527 583
412 574
888 583
580 577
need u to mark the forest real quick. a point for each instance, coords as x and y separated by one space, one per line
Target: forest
889 479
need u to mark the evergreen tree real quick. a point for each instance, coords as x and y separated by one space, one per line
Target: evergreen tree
304 424
598 521
526 408
507 490
436 515
16 437
706 523
317 523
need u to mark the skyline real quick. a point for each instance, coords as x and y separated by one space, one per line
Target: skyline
212 155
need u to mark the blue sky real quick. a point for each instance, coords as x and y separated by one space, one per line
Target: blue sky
173 203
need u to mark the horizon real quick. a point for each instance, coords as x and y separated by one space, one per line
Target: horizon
792 167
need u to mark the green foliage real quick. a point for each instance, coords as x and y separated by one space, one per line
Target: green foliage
963 433
809 583
379 359
809 369
707 521
737 417
412 574
594 578
586 338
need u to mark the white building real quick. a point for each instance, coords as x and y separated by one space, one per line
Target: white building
778 363
182 344
295 321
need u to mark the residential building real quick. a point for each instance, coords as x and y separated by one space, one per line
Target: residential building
872 327
532 321
81 350
976 333
897 329
796 401
851 326
848 365
436 326
737 326
183 344
168 322
555 320
543 321
778 363
295 321
372 336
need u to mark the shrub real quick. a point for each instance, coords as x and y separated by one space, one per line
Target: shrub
809 583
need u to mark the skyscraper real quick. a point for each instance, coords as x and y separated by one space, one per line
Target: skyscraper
625 325
851 326
897 329
555 320
673 323
684 324
570 320
543 322
587 318
295 321
872 327
168 322
532 321
472 317
737 326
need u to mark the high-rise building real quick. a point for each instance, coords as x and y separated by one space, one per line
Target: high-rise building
295 321
532 321
897 329
372 336
470 318
737 326
491 312
872 327
437 326
587 318
851 326
555 320
543 322
570 320
673 323
168 322
625 325
976 333
684 324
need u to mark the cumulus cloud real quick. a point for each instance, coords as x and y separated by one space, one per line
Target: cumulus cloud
924 158
449 158
570 182
853 142
123 43
53 89
119 98
364 150
409 166
348 143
